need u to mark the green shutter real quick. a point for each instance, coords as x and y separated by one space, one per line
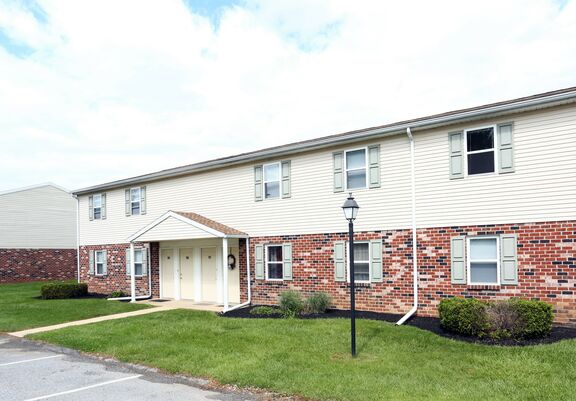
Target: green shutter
105 265
505 148
508 259
287 259
374 166
376 261
127 205
259 259
103 207
91 262
458 262
128 264
340 261
456 143
338 159
258 183
91 207
145 261
143 200
286 184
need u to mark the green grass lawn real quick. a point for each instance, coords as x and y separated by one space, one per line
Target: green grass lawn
311 357
21 308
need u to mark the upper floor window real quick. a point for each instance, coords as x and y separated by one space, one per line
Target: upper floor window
97 202
480 151
97 206
274 262
272 182
135 201
356 169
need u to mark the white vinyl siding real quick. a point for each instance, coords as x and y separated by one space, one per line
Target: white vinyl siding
42 217
544 163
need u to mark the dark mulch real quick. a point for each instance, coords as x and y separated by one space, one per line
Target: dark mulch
432 324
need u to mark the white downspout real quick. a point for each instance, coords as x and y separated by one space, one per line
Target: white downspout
77 236
248 278
132 274
414 233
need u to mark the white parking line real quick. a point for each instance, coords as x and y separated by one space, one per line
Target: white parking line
83 388
31 360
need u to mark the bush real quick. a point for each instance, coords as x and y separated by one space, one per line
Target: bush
264 311
291 304
463 316
536 318
117 294
63 290
318 302
513 318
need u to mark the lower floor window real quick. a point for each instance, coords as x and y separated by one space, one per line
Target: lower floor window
99 261
483 261
138 261
274 262
362 262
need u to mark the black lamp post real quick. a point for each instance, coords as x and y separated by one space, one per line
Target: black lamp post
350 212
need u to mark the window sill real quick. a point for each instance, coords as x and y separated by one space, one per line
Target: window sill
484 287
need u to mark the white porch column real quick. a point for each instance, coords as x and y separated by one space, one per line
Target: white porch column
225 272
132 275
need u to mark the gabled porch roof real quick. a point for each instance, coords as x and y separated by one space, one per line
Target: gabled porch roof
184 225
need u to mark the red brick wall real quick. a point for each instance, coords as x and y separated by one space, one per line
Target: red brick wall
19 265
116 278
546 269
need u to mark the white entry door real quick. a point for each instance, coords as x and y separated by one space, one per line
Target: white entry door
186 274
209 289
167 270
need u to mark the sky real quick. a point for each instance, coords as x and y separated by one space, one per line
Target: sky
93 91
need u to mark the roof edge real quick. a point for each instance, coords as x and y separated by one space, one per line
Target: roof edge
35 186
546 99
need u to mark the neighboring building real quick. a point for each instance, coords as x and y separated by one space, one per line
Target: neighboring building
491 190
37 234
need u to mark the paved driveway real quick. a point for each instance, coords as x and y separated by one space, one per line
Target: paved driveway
30 371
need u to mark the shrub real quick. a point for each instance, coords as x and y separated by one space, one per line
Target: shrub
513 318
264 311
535 318
318 302
63 290
463 316
291 304
117 294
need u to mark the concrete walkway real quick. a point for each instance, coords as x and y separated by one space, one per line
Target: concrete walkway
163 307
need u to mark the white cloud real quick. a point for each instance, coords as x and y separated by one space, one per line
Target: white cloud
119 88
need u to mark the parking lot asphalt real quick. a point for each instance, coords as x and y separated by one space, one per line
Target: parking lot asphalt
32 371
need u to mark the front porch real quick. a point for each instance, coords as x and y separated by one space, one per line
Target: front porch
199 262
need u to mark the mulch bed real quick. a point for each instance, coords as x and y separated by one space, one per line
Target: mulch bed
431 324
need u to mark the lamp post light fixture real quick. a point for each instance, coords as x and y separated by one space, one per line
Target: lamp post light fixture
350 209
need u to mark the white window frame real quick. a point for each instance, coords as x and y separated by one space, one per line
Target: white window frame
133 202
141 250
96 262
469 261
94 197
494 149
369 262
266 253
264 181
365 149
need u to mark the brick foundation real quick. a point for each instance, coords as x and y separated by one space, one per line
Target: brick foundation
21 265
546 269
116 278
